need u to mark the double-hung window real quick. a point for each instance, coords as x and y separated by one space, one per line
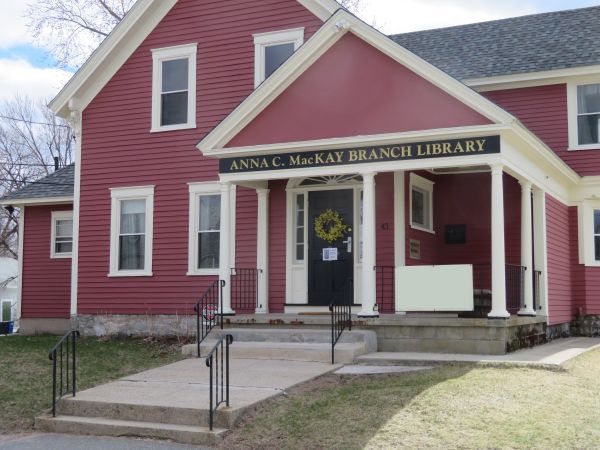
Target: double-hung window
421 203
174 88
584 114
62 234
597 235
273 49
205 228
131 231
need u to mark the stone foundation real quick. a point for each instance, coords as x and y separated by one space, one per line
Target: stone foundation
588 326
562 330
137 325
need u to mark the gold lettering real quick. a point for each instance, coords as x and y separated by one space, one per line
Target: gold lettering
330 159
420 151
437 149
254 164
470 146
362 155
459 148
339 156
481 143
407 151
395 152
264 164
447 148
353 155
277 161
244 164
373 154
319 158
384 152
234 165
295 160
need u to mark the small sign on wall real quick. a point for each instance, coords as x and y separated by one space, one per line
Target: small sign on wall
330 254
415 249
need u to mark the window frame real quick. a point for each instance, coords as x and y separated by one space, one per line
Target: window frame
159 56
263 40
424 185
587 245
197 190
117 196
573 113
12 305
56 216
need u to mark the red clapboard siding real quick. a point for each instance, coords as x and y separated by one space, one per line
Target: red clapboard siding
277 247
46 281
543 110
562 260
384 225
592 285
119 150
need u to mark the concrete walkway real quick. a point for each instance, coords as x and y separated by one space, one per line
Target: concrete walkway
551 355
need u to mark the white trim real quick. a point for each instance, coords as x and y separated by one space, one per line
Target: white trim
573 113
77 123
131 193
20 264
425 185
263 40
127 36
37 201
331 32
399 219
159 56
195 191
55 216
586 232
540 247
262 250
521 80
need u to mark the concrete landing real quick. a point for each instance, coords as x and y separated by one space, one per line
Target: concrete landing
551 355
171 402
379 370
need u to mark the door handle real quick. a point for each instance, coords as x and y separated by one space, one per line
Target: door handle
348 242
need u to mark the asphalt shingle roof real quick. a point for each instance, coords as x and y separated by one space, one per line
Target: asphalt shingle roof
57 184
540 42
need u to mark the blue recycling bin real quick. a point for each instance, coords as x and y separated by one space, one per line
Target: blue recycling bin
11 327
6 327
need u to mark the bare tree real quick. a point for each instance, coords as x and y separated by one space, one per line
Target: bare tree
74 28
30 138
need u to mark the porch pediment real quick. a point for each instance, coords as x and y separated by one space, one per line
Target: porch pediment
347 81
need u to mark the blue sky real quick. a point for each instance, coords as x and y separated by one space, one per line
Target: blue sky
26 69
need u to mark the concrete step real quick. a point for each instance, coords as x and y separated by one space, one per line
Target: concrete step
195 417
97 426
287 351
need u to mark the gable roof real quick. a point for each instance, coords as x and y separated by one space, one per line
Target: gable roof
120 44
534 43
331 32
56 185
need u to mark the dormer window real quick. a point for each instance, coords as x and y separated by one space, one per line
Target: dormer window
273 49
174 88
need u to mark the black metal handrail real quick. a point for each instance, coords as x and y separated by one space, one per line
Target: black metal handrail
341 313
386 283
515 288
209 311
64 352
244 289
219 375
537 275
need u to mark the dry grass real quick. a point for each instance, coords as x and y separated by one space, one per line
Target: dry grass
449 407
26 372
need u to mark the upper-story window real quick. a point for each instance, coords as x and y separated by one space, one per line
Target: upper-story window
174 88
588 114
597 234
62 234
273 49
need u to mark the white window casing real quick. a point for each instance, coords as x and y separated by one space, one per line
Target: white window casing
574 113
160 56
424 187
118 195
263 40
59 234
587 233
196 191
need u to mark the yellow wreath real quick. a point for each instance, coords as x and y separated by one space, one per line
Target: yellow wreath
329 226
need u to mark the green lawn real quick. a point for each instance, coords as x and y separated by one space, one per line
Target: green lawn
452 406
26 371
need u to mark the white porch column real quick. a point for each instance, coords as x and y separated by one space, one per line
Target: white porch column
369 287
540 248
399 232
527 248
262 251
498 252
225 247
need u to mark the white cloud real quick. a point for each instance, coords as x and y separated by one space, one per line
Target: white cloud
398 16
12 23
19 76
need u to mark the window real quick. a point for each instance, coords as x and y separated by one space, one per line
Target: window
62 234
299 225
273 49
205 228
131 231
597 234
589 233
6 311
421 203
588 114
174 88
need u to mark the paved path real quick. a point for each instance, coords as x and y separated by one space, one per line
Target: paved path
551 355
68 442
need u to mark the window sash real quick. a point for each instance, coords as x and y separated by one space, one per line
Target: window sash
299 227
207 245
62 230
597 234
132 224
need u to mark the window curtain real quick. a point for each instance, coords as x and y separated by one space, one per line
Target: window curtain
132 239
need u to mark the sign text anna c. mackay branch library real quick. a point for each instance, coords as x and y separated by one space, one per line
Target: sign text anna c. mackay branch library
420 150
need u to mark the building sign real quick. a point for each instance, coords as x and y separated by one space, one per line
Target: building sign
384 153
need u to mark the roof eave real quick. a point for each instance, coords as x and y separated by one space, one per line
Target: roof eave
35 201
